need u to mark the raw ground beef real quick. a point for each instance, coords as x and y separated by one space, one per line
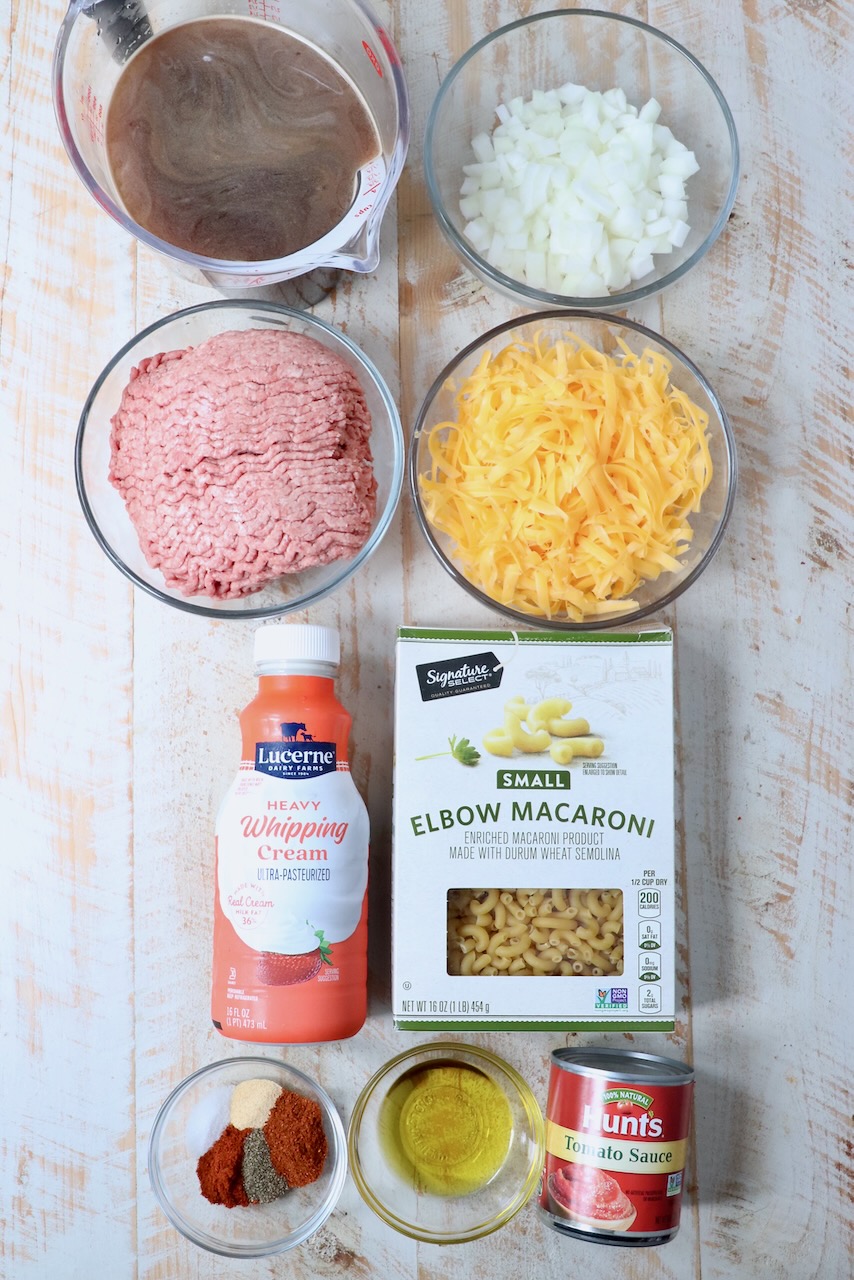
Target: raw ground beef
244 458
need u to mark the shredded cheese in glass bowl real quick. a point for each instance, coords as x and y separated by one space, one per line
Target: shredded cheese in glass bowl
573 470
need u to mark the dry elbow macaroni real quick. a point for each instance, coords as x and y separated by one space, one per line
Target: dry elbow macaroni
542 727
535 932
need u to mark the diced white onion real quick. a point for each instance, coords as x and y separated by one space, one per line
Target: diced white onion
574 191
671 186
679 233
659 227
650 111
482 147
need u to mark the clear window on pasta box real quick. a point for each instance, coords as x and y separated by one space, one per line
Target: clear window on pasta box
535 933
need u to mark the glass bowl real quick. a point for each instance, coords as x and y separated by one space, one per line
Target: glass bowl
256 1231
600 51
386 1182
603 333
105 508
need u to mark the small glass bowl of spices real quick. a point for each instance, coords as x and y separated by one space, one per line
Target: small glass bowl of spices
446 1143
247 1157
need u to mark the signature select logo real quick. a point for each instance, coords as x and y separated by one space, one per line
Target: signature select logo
455 676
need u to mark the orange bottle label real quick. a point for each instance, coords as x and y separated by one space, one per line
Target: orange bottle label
290 915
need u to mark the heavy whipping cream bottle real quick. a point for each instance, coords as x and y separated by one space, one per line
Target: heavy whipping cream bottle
290 910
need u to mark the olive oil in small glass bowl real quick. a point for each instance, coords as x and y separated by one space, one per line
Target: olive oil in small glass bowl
446 1143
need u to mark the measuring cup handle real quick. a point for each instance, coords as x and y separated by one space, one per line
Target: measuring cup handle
122 24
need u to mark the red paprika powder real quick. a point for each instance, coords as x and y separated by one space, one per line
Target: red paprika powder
219 1169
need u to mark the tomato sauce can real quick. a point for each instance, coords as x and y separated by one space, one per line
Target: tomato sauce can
616 1141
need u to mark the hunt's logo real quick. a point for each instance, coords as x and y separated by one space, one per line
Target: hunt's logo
297 756
623 1119
455 676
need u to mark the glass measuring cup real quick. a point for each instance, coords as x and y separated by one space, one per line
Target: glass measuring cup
96 39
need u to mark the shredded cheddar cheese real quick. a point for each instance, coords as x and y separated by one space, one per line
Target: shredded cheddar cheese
568 476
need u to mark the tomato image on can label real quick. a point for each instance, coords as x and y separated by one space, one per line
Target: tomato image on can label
590 1196
616 1141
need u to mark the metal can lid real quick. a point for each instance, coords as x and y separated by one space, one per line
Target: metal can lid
624 1064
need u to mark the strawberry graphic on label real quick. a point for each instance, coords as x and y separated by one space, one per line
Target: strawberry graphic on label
278 970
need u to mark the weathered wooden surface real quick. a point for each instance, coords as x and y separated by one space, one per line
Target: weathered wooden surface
118 716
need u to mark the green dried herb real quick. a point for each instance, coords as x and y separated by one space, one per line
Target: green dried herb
261 1181
462 751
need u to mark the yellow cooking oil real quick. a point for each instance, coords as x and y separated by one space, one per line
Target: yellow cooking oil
445 1128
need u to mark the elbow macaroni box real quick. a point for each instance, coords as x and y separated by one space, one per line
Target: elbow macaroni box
533 831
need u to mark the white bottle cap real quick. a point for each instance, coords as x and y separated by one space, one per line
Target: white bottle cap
282 643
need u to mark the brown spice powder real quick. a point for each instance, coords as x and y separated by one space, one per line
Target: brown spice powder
295 1136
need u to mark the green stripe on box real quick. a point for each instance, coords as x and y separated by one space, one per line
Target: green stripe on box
592 1024
537 637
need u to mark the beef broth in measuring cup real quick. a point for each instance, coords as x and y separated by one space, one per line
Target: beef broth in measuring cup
231 138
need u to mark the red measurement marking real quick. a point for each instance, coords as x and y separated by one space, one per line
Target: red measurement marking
93 115
391 52
373 57
267 10
373 179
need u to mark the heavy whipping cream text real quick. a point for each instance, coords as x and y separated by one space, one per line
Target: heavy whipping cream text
265 826
337 837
